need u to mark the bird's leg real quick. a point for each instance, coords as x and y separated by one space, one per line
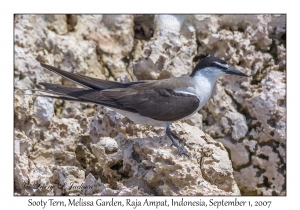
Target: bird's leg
180 140
170 135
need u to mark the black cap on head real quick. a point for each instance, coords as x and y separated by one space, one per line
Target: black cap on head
211 61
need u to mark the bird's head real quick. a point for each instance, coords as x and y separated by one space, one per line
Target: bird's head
213 67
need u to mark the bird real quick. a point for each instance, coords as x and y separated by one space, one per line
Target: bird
148 102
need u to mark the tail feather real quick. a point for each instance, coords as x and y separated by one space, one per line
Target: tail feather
65 90
62 98
85 95
88 82
40 93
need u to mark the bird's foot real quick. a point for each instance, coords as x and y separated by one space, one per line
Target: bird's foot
174 143
180 140
180 150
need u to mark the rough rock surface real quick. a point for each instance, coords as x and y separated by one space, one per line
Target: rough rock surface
249 116
67 148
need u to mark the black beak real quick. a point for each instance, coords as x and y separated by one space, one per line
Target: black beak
236 72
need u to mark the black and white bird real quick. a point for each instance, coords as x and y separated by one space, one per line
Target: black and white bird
151 102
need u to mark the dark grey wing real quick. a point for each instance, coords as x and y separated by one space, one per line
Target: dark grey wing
158 104
88 82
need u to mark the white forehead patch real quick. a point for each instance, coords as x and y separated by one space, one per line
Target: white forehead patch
222 65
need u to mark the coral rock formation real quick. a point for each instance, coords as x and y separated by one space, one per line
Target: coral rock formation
67 148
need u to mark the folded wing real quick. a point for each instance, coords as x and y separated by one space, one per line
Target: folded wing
158 104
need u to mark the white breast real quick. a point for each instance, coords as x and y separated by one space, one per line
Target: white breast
139 119
203 90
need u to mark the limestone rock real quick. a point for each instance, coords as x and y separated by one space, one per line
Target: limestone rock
246 114
63 142
145 157
169 54
43 110
194 120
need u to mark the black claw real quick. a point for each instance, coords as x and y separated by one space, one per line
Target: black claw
182 152
172 136
180 140
186 155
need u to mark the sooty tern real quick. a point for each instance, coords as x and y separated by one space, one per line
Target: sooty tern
156 102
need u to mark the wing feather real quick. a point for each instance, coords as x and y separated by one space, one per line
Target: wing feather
158 104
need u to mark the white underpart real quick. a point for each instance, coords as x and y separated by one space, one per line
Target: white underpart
204 81
139 119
